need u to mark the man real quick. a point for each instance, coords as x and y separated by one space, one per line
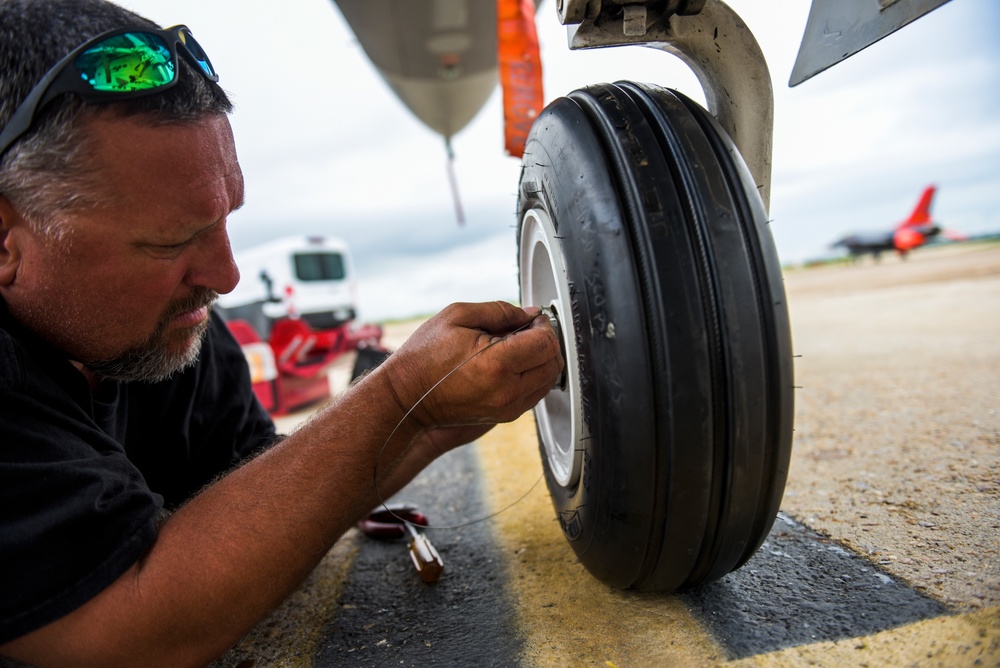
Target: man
125 538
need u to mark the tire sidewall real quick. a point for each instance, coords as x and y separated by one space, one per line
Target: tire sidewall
610 504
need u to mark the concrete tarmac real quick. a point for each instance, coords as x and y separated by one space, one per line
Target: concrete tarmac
885 552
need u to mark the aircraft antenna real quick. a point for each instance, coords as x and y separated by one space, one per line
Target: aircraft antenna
459 214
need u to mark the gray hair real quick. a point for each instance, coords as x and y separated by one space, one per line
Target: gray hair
46 172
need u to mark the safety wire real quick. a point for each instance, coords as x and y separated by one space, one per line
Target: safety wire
378 494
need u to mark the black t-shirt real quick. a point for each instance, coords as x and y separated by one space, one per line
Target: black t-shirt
84 476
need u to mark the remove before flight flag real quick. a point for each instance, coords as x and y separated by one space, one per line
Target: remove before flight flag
520 71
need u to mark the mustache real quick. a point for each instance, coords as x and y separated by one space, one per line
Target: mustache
196 300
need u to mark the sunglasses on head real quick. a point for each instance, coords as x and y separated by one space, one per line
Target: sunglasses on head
116 65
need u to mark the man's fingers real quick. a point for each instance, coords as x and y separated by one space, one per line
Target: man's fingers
540 385
542 378
497 318
514 355
529 348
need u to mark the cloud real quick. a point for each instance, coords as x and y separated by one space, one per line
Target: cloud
408 285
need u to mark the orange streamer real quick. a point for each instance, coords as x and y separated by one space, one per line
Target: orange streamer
520 71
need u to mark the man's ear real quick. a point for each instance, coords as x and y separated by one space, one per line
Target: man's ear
10 252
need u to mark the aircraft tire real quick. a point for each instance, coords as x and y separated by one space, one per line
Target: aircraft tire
666 448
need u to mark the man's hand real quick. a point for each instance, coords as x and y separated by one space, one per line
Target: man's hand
502 360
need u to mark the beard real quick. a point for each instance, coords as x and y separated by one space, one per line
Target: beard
152 360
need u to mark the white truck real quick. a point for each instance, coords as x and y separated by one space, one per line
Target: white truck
307 277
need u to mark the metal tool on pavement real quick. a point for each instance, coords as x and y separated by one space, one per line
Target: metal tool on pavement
396 521
425 558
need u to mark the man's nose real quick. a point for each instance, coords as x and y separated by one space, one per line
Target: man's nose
214 266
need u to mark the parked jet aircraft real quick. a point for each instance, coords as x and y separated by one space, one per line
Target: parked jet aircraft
911 233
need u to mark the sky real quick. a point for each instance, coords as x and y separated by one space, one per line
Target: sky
326 148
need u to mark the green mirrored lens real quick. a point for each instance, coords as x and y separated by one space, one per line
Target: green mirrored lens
126 62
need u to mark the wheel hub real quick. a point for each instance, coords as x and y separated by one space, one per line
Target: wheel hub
553 316
559 416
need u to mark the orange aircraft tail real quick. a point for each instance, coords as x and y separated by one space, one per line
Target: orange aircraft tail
922 214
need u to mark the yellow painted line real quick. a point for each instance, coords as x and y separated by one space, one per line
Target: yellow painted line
566 616
953 642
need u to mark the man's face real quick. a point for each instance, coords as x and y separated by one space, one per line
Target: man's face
127 291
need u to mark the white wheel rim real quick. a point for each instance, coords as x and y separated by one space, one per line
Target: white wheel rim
559 415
